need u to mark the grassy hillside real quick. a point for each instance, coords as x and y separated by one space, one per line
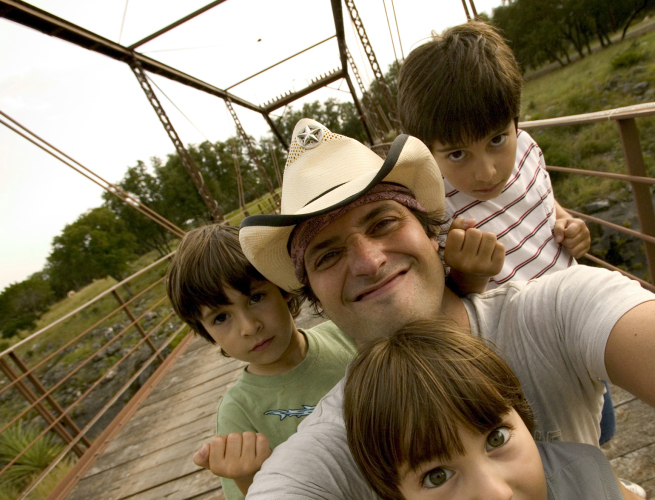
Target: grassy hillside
621 75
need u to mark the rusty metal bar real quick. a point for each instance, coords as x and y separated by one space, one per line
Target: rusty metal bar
275 130
84 306
75 339
188 163
254 157
271 106
40 20
375 66
642 197
595 173
86 393
176 24
52 401
466 10
29 395
636 111
102 441
135 322
337 14
616 227
280 62
83 364
475 12
109 187
643 283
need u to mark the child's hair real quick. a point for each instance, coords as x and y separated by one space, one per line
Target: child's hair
208 259
406 396
460 86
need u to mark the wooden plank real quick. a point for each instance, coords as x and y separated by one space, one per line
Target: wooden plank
201 482
635 424
127 450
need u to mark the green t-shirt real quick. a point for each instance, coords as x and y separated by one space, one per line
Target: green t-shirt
276 405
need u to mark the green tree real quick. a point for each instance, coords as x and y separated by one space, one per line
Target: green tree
96 245
22 303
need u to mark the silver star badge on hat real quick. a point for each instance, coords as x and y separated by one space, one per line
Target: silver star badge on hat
310 137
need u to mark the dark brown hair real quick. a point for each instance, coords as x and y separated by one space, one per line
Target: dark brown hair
460 86
207 260
433 223
407 395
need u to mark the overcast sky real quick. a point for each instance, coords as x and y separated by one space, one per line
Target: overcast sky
93 109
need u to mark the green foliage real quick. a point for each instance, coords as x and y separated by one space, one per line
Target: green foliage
544 31
22 303
631 56
96 245
592 84
34 461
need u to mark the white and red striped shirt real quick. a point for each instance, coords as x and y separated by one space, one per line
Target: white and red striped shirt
522 217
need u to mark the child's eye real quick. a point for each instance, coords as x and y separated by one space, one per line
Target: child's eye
458 155
497 438
436 477
220 318
256 297
499 140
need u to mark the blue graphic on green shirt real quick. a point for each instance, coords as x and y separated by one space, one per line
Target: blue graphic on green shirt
302 412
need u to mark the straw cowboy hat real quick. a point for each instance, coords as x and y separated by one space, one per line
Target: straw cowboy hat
326 171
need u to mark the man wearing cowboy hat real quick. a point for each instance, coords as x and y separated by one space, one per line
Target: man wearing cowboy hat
359 236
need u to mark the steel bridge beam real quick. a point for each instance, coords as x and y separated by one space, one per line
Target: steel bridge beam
337 14
176 24
40 20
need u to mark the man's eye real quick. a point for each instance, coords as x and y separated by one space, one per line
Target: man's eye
220 318
436 477
499 140
497 438
256 297
383 224
327 259
458 155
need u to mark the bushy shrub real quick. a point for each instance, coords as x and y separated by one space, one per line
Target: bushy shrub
629 57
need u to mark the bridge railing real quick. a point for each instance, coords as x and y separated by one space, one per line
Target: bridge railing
67 381
636 176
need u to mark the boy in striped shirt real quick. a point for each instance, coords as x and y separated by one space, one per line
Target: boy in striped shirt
460 93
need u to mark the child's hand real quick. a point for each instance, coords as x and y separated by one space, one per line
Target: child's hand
471 251
574 235
235 456
473 256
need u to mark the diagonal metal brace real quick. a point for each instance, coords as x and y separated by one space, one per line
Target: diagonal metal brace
185 157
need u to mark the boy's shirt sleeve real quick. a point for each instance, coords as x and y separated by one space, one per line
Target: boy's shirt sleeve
231 418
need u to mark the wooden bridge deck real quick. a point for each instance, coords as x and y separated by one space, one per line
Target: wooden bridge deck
151 457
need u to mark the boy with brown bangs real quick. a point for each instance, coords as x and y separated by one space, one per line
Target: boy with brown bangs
433 413
460 93
225 300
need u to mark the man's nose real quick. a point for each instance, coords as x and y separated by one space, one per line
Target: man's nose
365 255
485 170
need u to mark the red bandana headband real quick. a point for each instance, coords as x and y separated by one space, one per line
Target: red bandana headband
305 231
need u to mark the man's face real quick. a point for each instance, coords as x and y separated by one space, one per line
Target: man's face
479 169
374 270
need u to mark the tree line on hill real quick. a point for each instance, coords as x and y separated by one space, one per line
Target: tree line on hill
546 31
